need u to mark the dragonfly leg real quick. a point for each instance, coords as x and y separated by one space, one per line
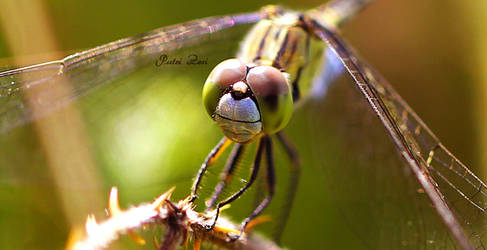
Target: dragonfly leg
271 187
214 154
253 176
295 172
227 173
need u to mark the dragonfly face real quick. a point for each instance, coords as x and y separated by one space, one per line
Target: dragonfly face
246 102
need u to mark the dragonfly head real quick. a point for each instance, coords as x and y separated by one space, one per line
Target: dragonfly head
246 101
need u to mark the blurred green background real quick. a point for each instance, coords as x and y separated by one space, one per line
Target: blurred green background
144 135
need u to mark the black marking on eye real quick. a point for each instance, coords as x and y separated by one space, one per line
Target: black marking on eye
271 102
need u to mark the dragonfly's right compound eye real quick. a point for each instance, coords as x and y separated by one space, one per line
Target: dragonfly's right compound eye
220 79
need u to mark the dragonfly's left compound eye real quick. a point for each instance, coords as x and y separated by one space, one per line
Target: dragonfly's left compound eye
273 94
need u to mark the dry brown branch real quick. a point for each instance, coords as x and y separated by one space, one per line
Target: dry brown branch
180 220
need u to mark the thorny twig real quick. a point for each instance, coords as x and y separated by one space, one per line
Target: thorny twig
179 218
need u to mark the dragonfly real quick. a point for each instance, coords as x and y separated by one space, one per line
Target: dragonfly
435 168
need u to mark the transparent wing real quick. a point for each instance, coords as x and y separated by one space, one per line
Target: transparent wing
88 69
437 170
161 136
139 126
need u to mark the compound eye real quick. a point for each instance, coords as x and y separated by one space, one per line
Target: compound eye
222 77
227 73
267 81
273 93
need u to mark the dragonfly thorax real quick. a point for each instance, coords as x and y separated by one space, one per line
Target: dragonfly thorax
281 42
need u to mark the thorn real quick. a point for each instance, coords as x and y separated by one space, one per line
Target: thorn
197 243
135 237
159 201
113 204
91 225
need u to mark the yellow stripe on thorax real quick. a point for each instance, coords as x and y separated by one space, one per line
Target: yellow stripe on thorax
277 42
